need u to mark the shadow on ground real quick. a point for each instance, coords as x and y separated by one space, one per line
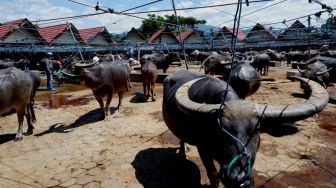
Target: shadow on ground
138 98
279 130
90 117
162 167
4 138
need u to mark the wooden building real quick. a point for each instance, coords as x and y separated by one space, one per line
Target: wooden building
163 36
134 37
190 36
95 36
20 31
224 36
63 34
297 31
259 34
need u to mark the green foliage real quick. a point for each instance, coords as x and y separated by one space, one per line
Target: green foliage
154 22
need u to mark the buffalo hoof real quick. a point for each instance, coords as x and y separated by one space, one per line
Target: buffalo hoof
29 132
18 138
153 99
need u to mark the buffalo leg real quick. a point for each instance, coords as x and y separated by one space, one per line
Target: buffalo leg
29 117
144 89
101 104
182 151
107 106
120 95
20 114
152 91
209 165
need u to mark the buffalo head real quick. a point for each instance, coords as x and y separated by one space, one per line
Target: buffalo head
229 131
317 72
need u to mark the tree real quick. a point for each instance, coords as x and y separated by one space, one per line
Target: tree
154 22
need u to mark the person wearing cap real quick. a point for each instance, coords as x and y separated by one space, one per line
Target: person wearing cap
48 67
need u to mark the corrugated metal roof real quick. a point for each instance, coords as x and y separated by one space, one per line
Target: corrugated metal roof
8 27
229 30
155 35
135 31
185 34
260 28
85 34
51 32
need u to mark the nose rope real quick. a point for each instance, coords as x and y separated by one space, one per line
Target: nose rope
243 154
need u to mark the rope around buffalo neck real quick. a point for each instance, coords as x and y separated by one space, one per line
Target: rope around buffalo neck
244 153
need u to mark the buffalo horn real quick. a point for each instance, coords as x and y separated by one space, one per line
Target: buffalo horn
323 72
84 65
205 60
185 104
317 101
69 74
284 113
298 68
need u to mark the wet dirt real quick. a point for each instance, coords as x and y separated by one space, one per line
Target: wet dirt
71 147
57 100
169 138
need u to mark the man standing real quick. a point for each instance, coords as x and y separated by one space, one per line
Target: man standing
48 67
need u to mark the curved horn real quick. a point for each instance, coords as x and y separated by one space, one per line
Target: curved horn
298 68
205 60
185 104
317 101
69 74
323 72
225 62
84 65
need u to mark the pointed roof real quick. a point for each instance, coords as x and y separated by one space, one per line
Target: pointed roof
229 30
50 33
8 27
186 34
159 32
135 31
260 28
297 25
87 33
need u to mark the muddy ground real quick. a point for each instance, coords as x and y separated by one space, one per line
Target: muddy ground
70 147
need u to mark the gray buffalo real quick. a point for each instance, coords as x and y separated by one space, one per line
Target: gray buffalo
149 76
261 63
16 91
318 72
244 79
106 79
229 131
161 60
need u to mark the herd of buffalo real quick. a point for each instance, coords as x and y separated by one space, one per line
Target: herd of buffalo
207 111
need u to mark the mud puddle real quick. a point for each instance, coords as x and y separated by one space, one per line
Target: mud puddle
327 120
55 100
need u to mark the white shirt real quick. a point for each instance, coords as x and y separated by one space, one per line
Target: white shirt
95 59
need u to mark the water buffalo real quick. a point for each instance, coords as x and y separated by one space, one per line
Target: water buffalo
161 60
16 91
316 71
149 76
201 56
261 62
106 79
229 131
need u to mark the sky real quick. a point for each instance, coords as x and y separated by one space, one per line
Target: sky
36 10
